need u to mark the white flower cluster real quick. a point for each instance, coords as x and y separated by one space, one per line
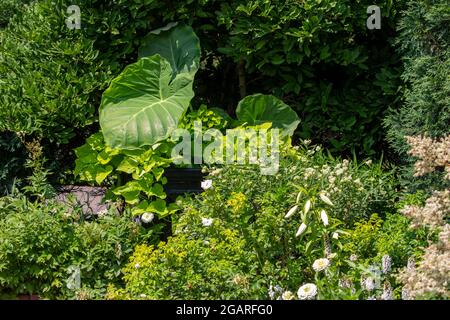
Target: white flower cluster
207 222
321 264
207 184
307 291
147 217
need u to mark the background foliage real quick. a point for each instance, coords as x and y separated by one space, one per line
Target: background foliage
423 41
318 56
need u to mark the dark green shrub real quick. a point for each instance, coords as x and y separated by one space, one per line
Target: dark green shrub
424 43
12 160
320 57
317 56
51 76
8 8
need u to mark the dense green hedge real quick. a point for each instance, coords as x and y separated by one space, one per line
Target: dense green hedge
318 56
423 41
52 78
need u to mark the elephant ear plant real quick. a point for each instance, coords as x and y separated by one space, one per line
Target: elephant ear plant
141 109
144 104
138 112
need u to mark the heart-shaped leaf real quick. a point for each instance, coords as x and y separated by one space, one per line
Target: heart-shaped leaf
144 104
258 109
177 43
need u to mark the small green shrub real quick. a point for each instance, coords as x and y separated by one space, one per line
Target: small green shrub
35 249
104 247
376 237
49 249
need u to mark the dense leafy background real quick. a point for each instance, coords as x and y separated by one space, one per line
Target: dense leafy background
318 56
424 42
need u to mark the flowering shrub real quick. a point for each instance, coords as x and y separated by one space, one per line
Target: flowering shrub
430 277
372 252
234 241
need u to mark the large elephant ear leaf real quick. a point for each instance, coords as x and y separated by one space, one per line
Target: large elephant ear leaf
177 43
144 104
258 109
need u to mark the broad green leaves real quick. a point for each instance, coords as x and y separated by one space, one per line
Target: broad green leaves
143 105
258 109
178 44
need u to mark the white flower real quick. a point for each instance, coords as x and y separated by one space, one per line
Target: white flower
307 206
300 230
206 184
67 214
321 264
298 196
335 235
411 264
274 292
386 263
353 257
137 265
291 211
143 295
369 284
287 295
325 199
271 293
345 163
147 217
345 283
307 291
324 217
405 294
207 221
215 172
